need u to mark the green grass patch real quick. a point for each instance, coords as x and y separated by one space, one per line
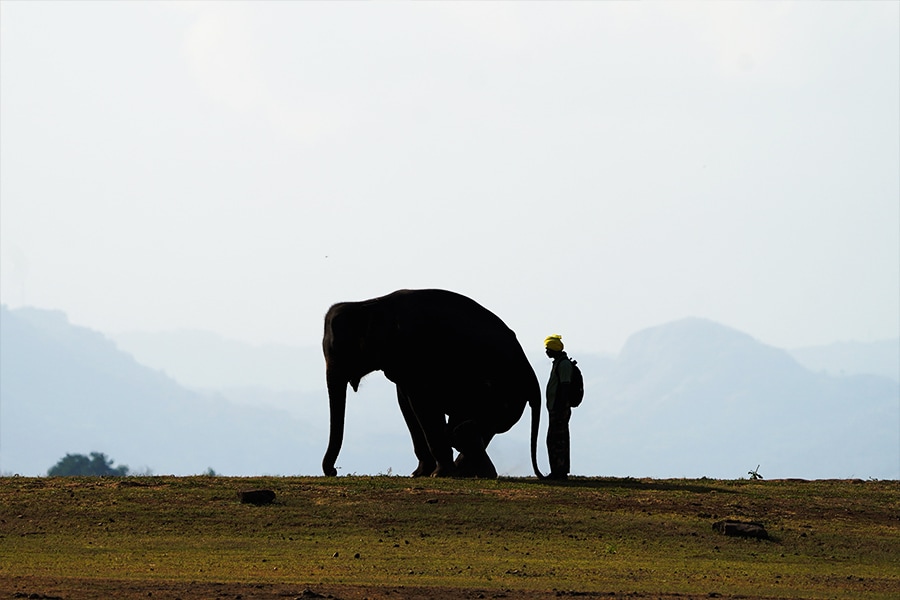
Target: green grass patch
831 539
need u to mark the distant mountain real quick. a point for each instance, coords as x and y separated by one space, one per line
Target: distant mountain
67 389
203 360
284 378
853 358
686 399
694 398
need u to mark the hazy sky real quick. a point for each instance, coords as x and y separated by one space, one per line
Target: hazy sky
585 168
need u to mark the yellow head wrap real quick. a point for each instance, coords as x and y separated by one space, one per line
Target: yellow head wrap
554 342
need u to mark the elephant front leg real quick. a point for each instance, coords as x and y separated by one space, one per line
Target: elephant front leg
428 464
431 438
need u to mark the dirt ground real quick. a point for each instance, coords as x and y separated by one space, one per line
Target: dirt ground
90 589
809 521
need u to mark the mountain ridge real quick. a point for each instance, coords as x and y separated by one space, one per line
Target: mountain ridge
723 398
69 389
204 360
687 398
853 358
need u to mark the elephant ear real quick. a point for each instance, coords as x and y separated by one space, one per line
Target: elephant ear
361 336
380 332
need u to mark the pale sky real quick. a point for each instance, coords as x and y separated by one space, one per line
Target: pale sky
585 168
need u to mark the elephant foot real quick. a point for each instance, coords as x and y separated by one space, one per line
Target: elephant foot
479 466
425 469
473 460
444 471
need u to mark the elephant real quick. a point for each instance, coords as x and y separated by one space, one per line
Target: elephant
461 375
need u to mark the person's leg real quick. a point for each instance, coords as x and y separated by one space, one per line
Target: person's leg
558 442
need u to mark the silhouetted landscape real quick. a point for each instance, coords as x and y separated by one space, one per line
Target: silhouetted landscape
690 398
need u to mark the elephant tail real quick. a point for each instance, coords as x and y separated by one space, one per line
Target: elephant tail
535 425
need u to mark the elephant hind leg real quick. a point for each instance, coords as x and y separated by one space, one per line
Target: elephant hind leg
473 460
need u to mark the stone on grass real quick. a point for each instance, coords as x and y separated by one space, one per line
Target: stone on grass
257 497
741 529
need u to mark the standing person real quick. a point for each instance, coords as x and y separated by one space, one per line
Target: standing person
558 398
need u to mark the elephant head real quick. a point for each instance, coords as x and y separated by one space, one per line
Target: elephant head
350 346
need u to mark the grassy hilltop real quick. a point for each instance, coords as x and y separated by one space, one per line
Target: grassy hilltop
393 537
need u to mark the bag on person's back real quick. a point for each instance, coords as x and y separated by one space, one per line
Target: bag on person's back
577 385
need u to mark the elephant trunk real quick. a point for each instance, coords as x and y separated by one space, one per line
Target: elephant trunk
337 401
535 425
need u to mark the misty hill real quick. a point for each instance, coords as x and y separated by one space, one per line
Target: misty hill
690 398
203 360
69 389
694 398
853 358
206 361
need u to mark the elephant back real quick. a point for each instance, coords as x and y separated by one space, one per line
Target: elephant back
446 336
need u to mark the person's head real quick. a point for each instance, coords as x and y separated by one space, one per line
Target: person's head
553 345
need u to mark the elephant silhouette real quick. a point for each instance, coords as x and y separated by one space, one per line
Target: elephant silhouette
461 375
